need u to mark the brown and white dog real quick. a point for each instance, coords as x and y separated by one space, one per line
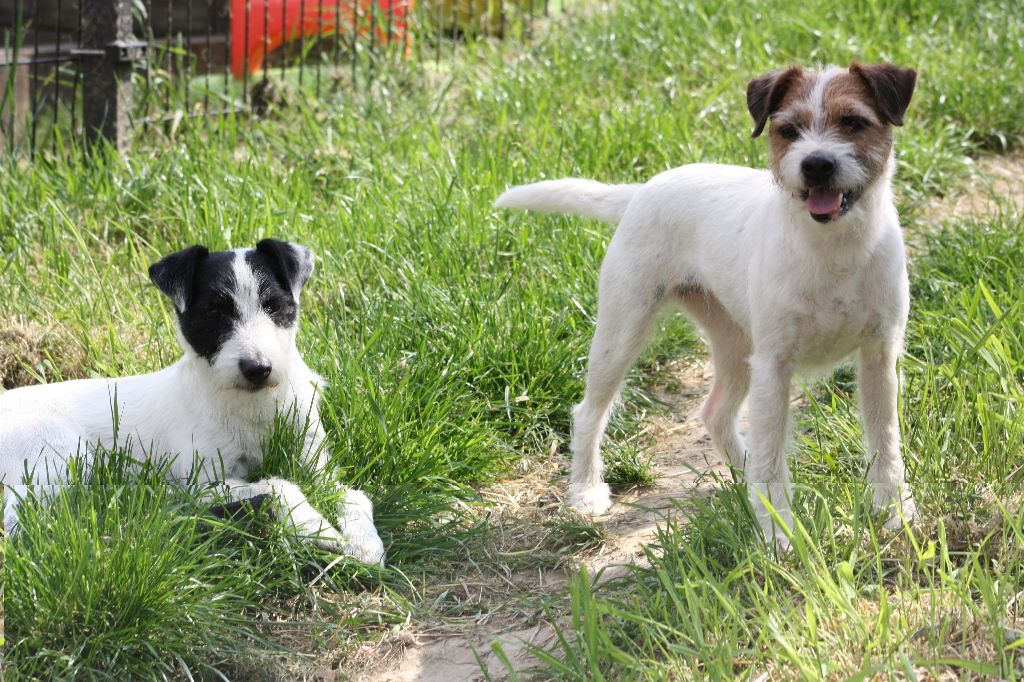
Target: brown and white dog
789 270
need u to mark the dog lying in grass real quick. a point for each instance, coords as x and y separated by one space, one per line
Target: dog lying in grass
786 270
237 314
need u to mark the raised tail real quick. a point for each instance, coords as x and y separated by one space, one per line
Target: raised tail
571 195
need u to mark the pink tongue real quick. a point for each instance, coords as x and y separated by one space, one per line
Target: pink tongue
822 202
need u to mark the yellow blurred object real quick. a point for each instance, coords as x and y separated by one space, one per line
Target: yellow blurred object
477 16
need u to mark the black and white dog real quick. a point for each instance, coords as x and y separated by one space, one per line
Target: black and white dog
237 315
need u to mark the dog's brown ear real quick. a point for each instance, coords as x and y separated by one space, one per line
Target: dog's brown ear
765 93
890 85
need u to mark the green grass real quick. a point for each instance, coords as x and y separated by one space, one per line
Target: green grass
454 337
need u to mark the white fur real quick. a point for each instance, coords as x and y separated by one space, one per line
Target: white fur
571 195
775 293
191 409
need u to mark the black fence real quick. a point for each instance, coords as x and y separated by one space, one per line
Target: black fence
100 69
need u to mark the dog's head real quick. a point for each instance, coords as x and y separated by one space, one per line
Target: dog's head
237 310
831 131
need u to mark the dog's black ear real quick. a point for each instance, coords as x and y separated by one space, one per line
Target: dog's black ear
292 264
175 273
765 93
890 85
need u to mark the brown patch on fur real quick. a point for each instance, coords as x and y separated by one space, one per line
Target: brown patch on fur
799 91
847 95
765 94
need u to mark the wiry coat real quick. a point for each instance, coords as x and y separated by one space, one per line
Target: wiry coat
785 270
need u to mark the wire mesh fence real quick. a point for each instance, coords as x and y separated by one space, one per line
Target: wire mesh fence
75 70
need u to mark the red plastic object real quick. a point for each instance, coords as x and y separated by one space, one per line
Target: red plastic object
288 20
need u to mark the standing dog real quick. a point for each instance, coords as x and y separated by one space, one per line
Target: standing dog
237 314
785 271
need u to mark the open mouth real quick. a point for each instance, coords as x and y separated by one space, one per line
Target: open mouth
826 204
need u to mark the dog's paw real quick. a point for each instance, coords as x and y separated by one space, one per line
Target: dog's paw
366 548
595 500
899 512
328 539
355 518
777 538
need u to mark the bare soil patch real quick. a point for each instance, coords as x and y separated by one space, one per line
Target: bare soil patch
997 184
29 350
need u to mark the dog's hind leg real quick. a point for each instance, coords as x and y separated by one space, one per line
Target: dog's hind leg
626 306
34 457
730 348
13 495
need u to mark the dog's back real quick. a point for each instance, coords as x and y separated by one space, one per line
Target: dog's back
710 218
42 426
36 423
691 190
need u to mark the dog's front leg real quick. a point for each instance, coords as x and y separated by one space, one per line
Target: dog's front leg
355 519
766 468
879 389
359 540
314 447
355 511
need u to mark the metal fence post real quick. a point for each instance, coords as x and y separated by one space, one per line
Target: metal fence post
107 70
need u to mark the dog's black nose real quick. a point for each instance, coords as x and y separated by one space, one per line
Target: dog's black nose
256 371
818 169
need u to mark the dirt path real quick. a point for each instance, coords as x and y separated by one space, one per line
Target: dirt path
996 184
506 600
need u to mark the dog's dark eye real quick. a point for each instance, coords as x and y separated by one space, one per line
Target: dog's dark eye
789 132
276 306
855 123
220 307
